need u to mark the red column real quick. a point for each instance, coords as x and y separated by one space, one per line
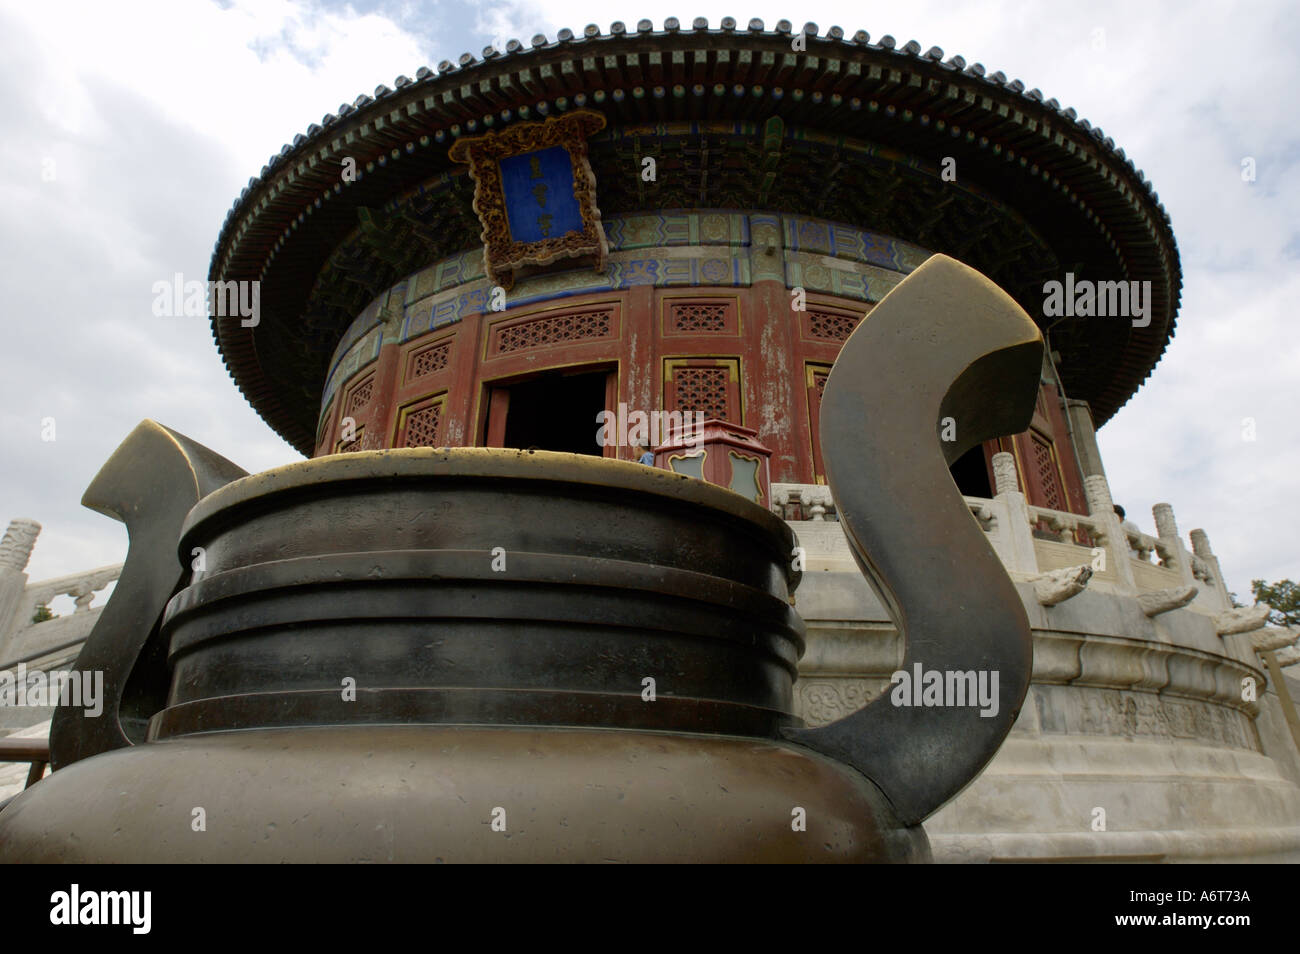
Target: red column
775 402
640 357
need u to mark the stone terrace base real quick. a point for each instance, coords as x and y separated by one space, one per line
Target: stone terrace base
1164 802
1141 717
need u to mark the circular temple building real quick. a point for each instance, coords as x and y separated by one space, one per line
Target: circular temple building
693 220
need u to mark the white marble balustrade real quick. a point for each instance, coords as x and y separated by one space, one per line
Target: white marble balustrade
1033 540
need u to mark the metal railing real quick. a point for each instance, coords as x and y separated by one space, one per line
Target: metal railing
35 751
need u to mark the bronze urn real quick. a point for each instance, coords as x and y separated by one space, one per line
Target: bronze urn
464 654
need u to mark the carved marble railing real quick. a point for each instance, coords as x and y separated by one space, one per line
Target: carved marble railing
803 502
1142 547
1071 528
1201 570
55 641
1033 540
1088 532
25 639
82 587
799 502
984 513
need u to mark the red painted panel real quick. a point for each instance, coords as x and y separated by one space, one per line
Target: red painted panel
814 383
768 361
611 405
772 378
498 408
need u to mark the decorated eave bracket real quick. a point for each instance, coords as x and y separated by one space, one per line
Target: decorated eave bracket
535 195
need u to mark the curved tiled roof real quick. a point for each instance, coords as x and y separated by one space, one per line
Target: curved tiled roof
1070 199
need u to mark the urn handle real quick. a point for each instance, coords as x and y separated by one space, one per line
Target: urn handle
945 361
150 483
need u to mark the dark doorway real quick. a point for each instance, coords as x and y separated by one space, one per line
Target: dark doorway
971 473
556 412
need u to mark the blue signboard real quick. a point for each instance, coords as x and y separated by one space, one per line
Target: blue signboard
538 188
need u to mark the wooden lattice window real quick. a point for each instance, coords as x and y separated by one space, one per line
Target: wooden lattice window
831 326
555 329
708 386
361 395
350 447
696 316
421 424
429 360
702 389
1044 465
422 427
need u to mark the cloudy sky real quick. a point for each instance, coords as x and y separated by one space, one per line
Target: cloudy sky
130 127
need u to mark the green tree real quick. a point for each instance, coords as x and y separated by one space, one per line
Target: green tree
1283 596
42 614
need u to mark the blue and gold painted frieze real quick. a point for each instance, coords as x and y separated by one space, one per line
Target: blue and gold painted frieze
721 248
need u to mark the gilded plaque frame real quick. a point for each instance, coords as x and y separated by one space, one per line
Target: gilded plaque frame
503 257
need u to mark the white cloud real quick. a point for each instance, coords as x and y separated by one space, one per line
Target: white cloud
159 111
155 115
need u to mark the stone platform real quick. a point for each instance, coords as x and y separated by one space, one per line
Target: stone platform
1139 717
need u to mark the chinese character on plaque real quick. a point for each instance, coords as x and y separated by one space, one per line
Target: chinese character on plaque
535 195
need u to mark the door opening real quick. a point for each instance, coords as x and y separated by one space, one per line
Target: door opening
553 411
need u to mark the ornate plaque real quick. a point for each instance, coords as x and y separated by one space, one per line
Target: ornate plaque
535 194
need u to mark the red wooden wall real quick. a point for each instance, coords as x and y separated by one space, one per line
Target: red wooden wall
739 354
